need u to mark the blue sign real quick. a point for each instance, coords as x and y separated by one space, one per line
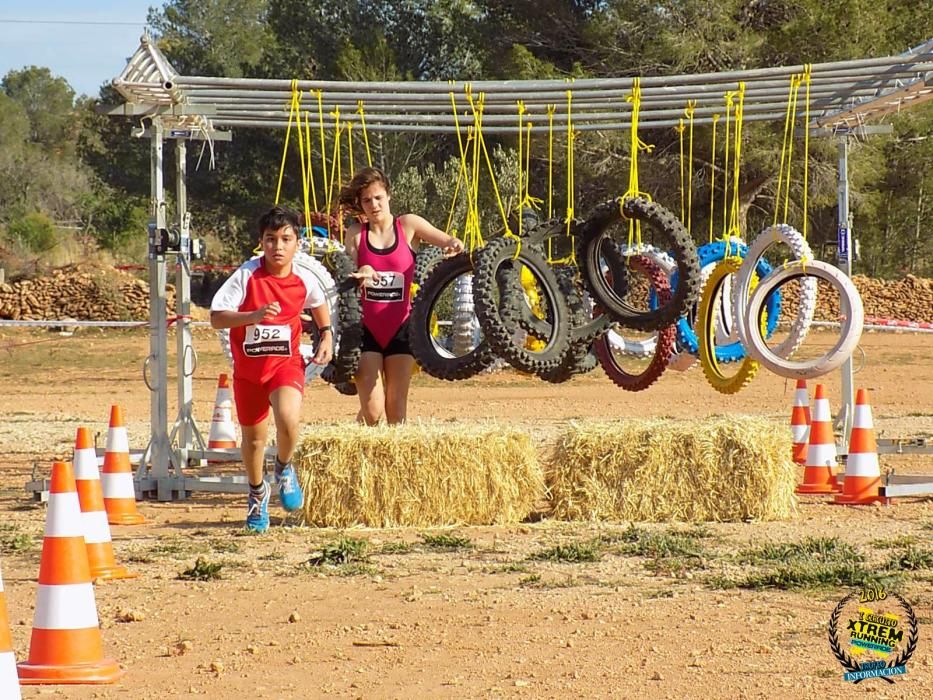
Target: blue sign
842 241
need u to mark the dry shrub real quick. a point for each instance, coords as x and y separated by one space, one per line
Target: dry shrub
721 469
418 475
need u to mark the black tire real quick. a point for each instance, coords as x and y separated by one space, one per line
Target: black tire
350 322
580 357
434 359
499 322
425 260
677 242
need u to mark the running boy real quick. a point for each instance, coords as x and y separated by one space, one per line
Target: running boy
260 303
383 248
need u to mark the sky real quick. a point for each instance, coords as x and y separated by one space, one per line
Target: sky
86 42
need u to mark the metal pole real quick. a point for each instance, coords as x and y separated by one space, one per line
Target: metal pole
158 454
844 256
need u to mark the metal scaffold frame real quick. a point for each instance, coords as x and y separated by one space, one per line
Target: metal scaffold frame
843 95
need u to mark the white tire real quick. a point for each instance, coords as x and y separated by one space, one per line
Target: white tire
851 321
793 239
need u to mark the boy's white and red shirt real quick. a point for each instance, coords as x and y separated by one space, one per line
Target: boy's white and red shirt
262 348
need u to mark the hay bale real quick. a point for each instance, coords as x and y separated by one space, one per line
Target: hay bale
418 475
721 469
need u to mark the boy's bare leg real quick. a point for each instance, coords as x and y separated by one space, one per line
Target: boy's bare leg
398 369
369 388
253 450
286 407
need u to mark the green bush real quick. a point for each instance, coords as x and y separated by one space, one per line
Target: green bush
34 231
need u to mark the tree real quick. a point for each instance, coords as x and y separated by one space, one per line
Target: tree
48 102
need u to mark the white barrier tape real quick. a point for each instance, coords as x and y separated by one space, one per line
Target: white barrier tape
876 327
96 527
64 516
87 324
118 485
69 606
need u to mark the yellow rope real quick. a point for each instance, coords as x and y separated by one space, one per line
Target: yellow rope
310 169
712 180
730 96
481 142
303 150
792 117
806 148
680 129
320 118
691 107
635 145
784 166
359 110
570 139
296 97
550 160
461 177
335 159
737 151
521 132
350 146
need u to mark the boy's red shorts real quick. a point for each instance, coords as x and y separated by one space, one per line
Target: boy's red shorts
252 399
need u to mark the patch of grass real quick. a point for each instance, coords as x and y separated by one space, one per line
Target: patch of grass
447 543
642 543
225 546
510 568
17 542
201 571
174 547
140 558
272 556
356 568
812 563
663 593
530 580
911 559
573 553
396 548
677 567
895 542
817 548
346 550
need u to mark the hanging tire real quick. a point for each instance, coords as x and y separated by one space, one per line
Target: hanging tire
706 332
710 255
497 314
793 239
433 357
676 240
580 357
663 346
349 322
851 310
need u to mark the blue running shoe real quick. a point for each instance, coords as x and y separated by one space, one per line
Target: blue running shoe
257 513
290 493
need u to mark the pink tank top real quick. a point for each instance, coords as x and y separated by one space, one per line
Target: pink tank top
387 303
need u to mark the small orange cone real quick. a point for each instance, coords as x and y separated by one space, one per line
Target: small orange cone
863 473
821 449
117 475
9 682
800 422
66 645
223 429
93 515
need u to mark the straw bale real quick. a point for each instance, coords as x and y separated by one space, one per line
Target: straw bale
720 469
418 475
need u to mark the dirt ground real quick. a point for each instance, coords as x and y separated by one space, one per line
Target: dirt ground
474 615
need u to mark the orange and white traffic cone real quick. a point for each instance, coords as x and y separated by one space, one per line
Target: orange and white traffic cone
66 645
821 449
117 475
223 428
100 557
863 473
9 682
800 422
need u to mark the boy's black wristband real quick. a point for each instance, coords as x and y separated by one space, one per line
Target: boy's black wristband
325 329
